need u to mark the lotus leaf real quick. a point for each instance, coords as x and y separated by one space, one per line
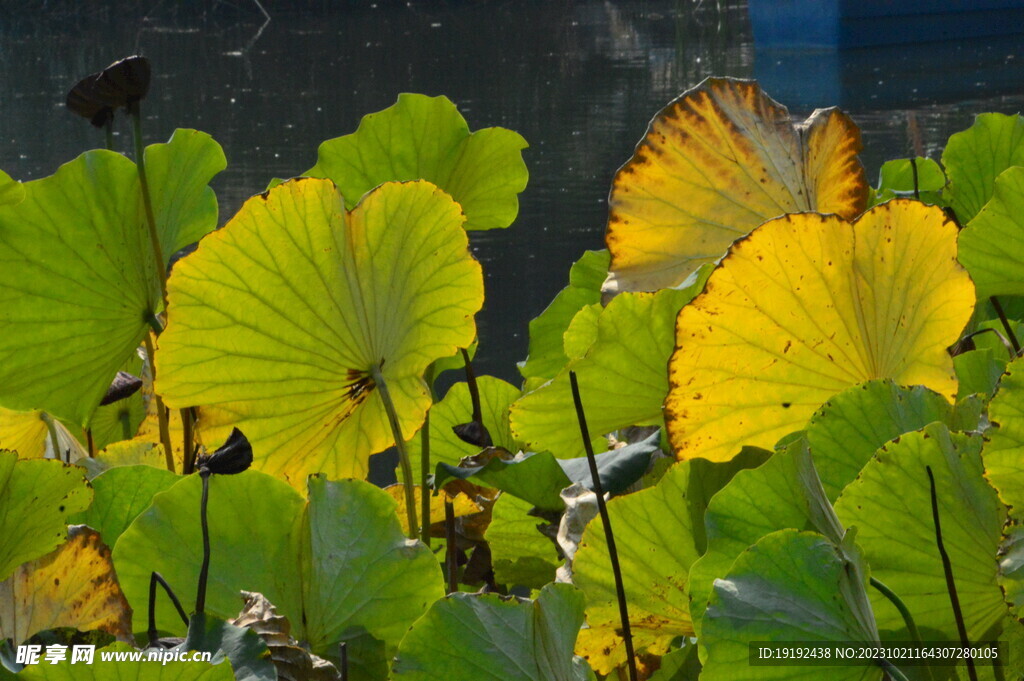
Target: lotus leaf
714 164
807 306
426 138
278 321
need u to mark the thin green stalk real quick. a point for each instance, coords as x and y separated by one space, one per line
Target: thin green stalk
913 169
161 411
204 570
451 557
947 569
51 429
908 619
90 443
188 445
1006 325
613 554
403 455
425 460
344 660
147 202
474 391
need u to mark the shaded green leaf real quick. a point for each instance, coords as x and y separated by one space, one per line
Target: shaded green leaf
121 494
248 654
520 554
904 555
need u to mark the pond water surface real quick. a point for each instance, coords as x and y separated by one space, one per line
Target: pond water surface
579 80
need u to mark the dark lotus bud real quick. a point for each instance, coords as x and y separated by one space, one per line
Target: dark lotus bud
124 385
124 82
234 456
474 433
84 100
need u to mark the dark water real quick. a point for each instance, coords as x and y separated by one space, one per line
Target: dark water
579 80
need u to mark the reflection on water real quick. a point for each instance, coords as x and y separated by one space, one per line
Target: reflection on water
578 79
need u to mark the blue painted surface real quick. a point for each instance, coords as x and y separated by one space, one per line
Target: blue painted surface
865 23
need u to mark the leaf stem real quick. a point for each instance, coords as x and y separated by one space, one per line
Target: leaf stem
913 169
188 464
474 391
154 579
403 454
162 415
947 568
1006 325
451 558
343 650
908 619
613 553
425 460
147 202
51 429
204 570
126 425
90 443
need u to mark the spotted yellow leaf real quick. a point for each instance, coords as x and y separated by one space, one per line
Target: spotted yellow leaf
75 586
716 163
807 306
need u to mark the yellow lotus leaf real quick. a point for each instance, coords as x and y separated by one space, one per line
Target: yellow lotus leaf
75 586
462 504
26 433
278 322
807 306
716 163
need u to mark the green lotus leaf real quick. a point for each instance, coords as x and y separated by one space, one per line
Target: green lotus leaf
659 533
681 664
894 484
975 157
539 477
36 498
120 495
992 244
897 179
850 427
622 378
783 493
243 647
482 638
126 670
520 554
278 321
978 372
11 190
179 173
78 279
342 568
457 408
426 138
77 282
789 586
1011 568
1004 451
546 356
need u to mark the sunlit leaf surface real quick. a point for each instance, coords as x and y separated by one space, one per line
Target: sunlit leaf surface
992 244
1004 451
806 307
426 138
715 164
975 157
278 319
